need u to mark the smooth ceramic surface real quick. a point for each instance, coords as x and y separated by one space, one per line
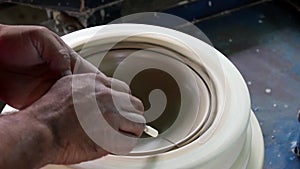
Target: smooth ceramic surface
226 142
184 112
234 120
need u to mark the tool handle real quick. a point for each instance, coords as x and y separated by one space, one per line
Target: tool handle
151 131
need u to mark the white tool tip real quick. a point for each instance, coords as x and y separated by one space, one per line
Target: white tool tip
151 131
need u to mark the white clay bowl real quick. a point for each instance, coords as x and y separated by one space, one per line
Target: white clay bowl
218 128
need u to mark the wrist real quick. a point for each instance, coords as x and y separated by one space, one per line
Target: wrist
50 117
41 137
25 141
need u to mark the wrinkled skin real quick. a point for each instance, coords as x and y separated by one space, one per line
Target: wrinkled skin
36 71
73 146
32 60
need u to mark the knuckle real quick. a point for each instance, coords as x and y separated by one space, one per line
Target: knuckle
139 104
123 84
119 85
104 79
38 33
105 92
39 30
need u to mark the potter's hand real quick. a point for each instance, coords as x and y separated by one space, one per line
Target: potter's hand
32 58
70 142
49 131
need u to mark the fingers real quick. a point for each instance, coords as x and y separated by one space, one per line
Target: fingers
120 93
80 65
118 124
114 84
128 123
122 111
132 123
130 103
119 99
52 49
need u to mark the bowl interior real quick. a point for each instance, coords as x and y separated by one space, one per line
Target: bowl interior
175 98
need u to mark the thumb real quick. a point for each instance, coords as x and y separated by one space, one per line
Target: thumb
53 50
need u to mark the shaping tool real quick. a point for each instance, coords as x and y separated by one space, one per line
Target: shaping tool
151 131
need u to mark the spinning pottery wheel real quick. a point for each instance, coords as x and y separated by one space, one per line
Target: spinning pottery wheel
192 94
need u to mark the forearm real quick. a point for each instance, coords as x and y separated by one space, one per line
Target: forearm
25 142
